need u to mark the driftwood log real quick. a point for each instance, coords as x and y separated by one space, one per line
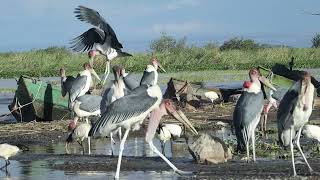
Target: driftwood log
295 75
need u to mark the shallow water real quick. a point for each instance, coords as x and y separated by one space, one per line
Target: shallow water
135 146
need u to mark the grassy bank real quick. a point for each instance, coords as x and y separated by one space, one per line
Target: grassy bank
47 62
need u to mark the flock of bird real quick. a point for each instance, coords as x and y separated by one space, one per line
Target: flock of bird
127 103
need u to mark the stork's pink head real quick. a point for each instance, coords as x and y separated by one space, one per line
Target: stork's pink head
92 53
87 66
62 72
254 73
72 125
156 64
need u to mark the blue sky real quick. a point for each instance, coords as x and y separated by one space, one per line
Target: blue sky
33 24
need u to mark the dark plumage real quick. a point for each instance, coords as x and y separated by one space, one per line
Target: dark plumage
247 111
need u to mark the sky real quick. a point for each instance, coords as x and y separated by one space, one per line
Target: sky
35 24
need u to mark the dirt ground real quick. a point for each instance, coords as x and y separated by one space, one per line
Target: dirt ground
42 133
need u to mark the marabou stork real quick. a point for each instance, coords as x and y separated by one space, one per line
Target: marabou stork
101 38
150 74
78 86
79 133
247 112
294 111
312 132
129 113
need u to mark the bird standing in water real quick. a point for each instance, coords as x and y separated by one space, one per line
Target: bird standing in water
247 112
294 111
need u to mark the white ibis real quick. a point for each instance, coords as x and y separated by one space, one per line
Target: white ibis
81 84
129 113
311 131
150 74
8 150
101 38
166 132
79 133
212 95
247 112
294 111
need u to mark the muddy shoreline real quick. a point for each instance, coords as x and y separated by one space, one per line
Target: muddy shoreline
48 133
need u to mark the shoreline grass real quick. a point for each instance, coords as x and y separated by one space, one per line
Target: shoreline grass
47 62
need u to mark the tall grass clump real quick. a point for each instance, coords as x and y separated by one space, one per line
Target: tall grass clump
174 54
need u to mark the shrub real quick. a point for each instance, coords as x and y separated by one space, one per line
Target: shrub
316 41
240 44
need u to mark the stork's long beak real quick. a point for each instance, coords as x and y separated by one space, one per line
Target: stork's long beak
179 115
160 66
93 72
266 82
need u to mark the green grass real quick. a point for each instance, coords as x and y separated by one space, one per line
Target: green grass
47 62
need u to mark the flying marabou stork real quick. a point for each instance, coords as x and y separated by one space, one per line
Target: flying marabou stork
294 111
101 38
247 112
129 113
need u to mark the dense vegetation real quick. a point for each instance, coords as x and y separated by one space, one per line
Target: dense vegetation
175 55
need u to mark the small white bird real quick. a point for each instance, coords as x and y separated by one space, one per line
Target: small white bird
79 133
311 131
212 96
166 132
8 150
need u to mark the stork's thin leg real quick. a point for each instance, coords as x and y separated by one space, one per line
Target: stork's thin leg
120 152
67 148
89 148
81 144
111 143
119 133
264 125
298 144
162 147
175 169
253 138
87 120
247 147
292 155
106 72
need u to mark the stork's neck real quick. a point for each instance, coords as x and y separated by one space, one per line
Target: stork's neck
151 68
85 73
154 121
306 94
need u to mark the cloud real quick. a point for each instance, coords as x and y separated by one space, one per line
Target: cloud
185 27
177 4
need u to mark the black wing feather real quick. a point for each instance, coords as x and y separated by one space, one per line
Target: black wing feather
123 109
248 107
93 17
87 39
148 78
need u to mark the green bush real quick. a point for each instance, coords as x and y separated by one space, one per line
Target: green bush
316 41
240 44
